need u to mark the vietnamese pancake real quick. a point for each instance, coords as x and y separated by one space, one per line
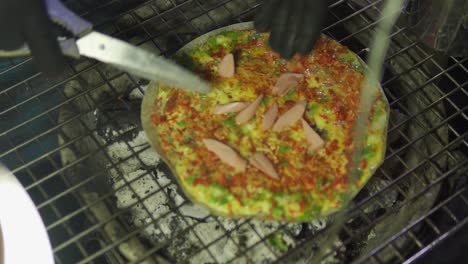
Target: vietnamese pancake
273 139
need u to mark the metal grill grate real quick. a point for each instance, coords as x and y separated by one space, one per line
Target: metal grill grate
77 147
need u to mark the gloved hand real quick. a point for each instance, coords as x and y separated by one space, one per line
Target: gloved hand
26 21
295 25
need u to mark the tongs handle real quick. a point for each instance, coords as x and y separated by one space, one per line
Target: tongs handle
63 16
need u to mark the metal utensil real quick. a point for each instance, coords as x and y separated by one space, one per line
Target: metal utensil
115 52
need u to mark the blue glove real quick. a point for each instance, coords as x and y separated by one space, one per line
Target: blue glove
295 25
26 21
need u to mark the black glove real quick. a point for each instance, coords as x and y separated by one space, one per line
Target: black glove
26 21
295 25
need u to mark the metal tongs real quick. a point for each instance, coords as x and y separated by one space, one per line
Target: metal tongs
118 53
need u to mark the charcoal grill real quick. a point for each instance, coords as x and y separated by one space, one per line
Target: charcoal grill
77 146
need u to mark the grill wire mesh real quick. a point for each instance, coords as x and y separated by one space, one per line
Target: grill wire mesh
76 145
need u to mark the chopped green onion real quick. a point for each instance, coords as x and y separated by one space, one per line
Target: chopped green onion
192 178
319 183
324 134
233 35
284 163
313 109
317 210
368 151
306 216
213 42
342 197
218 187
283 149
181 124
265 100
323 99
277 211
224 201
278 195
289 95
230 122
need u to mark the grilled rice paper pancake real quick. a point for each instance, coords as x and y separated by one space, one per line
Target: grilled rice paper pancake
273 140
